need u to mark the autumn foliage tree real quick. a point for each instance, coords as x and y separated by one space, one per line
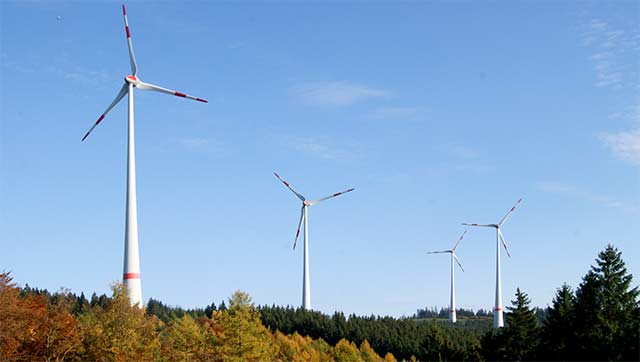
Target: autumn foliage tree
119 332
33 328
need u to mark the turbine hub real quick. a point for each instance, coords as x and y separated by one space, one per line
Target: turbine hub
306 203
132 79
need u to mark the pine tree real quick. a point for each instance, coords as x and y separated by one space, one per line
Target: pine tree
558 328
521 335
606 321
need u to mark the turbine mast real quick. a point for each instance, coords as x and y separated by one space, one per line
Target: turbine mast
498 321
131 274
306 288
452 306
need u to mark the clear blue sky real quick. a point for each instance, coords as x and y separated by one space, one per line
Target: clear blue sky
437 113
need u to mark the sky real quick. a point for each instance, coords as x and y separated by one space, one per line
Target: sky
437 113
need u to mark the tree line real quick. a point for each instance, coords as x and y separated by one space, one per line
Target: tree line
39 326
599 320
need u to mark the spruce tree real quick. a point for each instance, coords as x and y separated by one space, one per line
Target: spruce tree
521 334
606 311
558 329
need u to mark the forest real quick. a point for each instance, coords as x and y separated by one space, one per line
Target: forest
598 320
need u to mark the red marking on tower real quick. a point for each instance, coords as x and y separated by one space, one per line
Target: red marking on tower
497 309
127 276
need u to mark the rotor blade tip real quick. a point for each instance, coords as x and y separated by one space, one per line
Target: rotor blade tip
124 10
202 100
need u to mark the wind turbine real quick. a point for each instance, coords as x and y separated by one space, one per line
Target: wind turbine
498 320
306 292
131 274
452 305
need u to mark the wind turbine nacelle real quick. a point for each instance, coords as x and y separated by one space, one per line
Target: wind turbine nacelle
132 79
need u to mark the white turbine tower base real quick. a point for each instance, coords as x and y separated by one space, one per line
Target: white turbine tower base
306 288
498 318
131 272
452 303
131 269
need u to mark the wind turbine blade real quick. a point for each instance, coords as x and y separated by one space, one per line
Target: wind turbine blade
123 91
504 243
479 225
458 261
330 196
289 187
295 241
153 87
132 57
459 240
438 252
509 213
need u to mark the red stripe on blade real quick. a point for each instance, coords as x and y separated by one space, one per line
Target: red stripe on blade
127 276
178 94
202 100
124 11
99 120
128 33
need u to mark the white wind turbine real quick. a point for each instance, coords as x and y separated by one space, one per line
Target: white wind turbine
498 320
452 304
306 291
131 274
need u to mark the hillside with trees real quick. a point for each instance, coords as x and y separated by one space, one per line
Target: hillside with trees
600 320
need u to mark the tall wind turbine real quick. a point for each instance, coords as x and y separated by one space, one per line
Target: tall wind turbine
131 274
498 320
306 289
452 304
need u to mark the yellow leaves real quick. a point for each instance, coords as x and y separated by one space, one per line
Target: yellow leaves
184 339
297 348
389 357
119 332
39 328
240 333
367 353
346 351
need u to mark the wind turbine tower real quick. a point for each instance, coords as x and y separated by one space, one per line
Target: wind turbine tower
498 320
131 273
306 289
452 304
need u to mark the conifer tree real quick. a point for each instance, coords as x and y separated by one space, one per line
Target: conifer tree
521 334
558 329
606 318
